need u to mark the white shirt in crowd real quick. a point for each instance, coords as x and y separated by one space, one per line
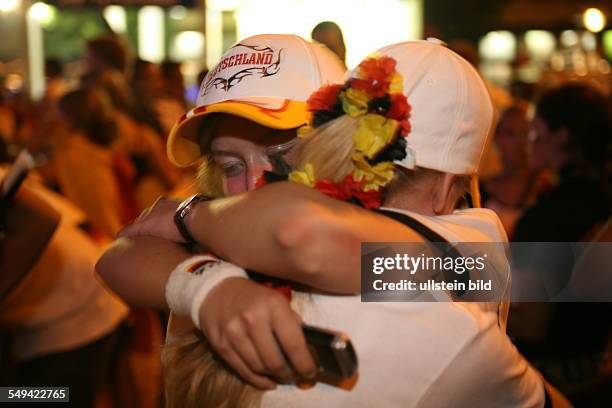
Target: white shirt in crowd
60 304
418 354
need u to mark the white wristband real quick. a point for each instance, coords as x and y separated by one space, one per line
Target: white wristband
193 279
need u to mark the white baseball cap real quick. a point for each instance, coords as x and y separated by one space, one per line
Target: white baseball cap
452 112
266 79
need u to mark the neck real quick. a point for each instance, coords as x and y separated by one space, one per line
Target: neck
417 201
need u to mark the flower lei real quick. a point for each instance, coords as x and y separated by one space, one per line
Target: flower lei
374 95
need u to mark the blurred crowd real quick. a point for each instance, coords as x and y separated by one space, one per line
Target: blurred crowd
100 140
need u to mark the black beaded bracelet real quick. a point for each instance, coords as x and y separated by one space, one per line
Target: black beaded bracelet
183 210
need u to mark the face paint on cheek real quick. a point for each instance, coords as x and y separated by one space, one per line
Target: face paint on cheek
255 172
235 185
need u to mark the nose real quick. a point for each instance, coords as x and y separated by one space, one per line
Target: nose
255 171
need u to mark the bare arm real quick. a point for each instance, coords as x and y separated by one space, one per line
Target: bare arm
283 230
294 232
137 269
29 225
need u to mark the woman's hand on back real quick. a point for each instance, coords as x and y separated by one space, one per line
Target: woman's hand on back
253 328
156 221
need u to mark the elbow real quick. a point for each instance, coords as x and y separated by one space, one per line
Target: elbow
108 267
316 242
295 234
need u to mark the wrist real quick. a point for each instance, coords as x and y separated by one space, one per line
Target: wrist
194 220
183 217
192 280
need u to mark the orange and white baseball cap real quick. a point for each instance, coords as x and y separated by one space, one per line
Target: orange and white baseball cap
266 79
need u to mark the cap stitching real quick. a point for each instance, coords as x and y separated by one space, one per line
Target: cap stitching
461 104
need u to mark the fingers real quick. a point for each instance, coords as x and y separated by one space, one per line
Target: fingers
129 230
234 360
244 347
268 348
251 328
135 226
157 220
288 329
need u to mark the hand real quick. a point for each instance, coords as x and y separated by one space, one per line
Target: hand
157 221
252 328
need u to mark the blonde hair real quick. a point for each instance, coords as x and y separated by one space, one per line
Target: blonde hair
328 149
196 378
209 179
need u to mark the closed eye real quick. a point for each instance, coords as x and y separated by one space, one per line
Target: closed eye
233 168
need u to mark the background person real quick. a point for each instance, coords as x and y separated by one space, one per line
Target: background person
510 192
571 137
64 325
330 34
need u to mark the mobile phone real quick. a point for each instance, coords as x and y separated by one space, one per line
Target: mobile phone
332 351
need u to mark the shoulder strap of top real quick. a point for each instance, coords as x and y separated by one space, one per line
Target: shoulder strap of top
431 236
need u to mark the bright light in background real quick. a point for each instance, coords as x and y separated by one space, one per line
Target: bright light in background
116 18
8 5
187 45
178 12
36 59
43 13
498 45
540 43
589 41
594 20
151 33
219 5
366 24
569 38
13 82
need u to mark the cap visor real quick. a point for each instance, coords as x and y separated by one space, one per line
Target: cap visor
183 146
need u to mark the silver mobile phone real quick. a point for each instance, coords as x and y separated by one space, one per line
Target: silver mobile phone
332 351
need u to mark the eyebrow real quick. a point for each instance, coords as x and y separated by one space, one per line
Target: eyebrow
223 152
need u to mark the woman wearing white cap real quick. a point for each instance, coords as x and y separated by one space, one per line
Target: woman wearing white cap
410 354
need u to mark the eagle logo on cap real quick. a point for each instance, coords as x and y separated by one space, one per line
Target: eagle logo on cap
267 63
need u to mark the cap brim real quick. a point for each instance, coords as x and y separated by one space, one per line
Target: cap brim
183 146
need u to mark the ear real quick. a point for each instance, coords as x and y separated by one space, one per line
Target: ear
441 194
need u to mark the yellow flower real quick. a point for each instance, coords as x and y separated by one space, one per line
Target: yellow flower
305 177
374 133
376 176
397 83
354 102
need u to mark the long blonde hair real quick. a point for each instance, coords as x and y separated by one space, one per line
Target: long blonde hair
328 149
195 377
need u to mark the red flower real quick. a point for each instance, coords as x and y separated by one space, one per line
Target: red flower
261 181
324 98
380 69
349 188
332 189
405 127
375 75
370 199
400 109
